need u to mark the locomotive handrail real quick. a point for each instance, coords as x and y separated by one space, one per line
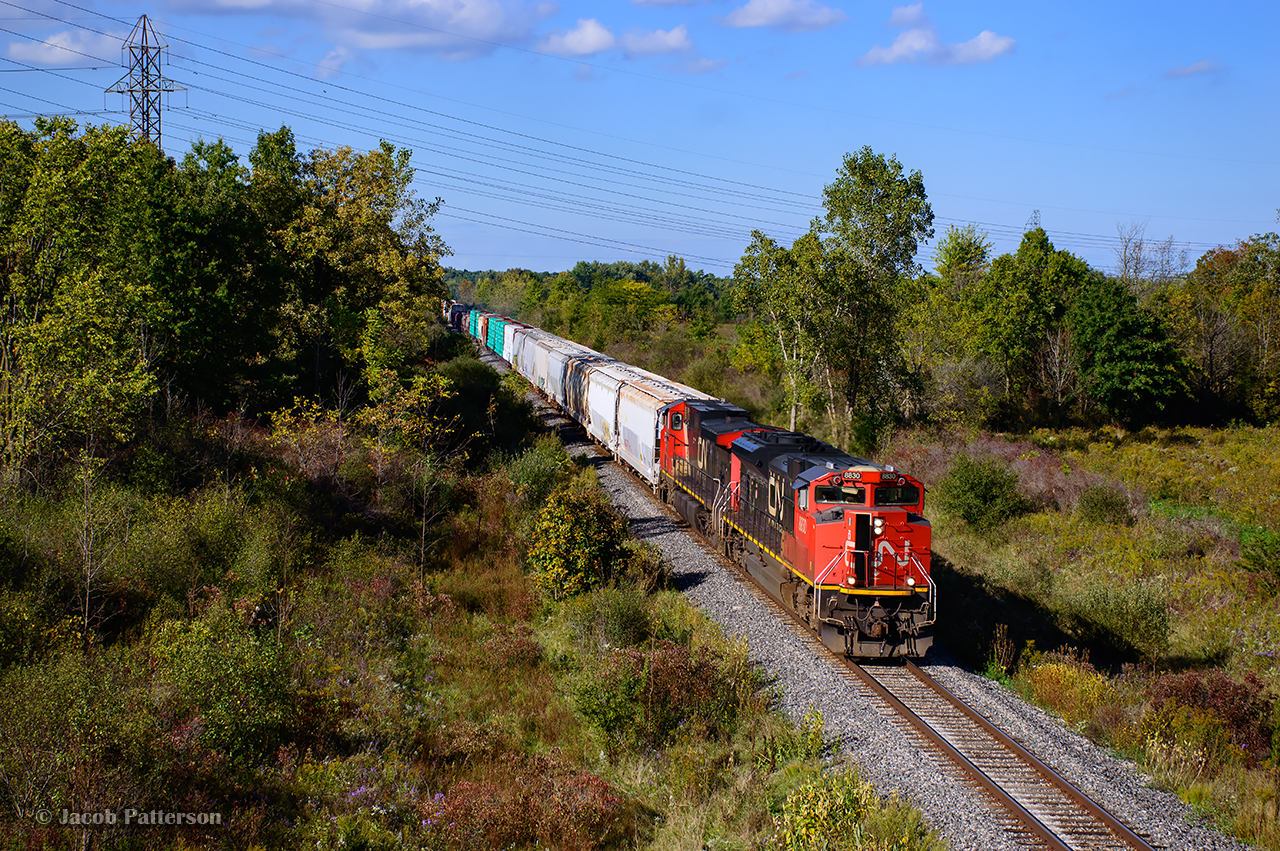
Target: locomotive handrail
932 602
817 585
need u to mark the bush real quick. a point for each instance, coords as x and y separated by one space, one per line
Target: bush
1071 687
841 810
539 471
1204 701
540 803
228 682
980 491
1103 504
642 697
1260 553
579 542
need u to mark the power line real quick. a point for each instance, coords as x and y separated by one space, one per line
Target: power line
540 198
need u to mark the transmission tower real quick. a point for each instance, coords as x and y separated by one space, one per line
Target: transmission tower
1034 221
144 83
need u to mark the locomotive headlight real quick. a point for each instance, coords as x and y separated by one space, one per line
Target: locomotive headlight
911 582
877 526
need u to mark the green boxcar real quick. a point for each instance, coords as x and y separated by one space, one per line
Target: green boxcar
495 334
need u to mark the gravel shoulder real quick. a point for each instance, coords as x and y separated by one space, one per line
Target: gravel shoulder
878 744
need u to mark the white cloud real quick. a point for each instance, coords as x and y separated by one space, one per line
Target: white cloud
588 37
640 45
788 15
919 42
1204 66
67 47
449 29
700 65
331 64
908 16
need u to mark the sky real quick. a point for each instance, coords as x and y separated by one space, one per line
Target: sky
635 129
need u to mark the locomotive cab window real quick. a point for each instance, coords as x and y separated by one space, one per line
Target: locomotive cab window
902 495
677 421
847 495
802 499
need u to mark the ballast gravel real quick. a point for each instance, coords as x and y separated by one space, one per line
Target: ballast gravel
867 736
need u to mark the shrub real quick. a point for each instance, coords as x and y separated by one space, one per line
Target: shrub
621 616
539 471
1070 687
841 810
1260 553
579 542
1241 709
1103 504
981 491
643 697
228 681
542 803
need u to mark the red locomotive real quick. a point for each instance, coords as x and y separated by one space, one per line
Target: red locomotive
840 540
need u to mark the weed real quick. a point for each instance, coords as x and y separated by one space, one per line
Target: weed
1003 653
1104 504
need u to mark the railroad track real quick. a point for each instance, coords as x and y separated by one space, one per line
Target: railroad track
1033 804
1036 805
1040 807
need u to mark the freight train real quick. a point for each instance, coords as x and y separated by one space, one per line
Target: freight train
841 541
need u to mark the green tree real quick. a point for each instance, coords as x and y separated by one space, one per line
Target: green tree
878 215
1011 311
1125 359
772 286
963 257
225 286
365 241
80 311
1204 322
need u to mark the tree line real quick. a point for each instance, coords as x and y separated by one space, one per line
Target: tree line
856 338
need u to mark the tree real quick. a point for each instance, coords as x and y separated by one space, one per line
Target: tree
81 314
770 285
963 257
1125 360
878 215
1200 313
364 241
225 283
1010 314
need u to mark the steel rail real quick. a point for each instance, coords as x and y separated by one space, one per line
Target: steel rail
1002 798
1121 830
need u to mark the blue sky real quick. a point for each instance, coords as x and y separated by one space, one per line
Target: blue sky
562 131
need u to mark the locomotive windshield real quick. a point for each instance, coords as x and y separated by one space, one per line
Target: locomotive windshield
846 495
904 495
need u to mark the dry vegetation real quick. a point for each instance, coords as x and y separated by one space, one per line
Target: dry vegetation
1147 563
